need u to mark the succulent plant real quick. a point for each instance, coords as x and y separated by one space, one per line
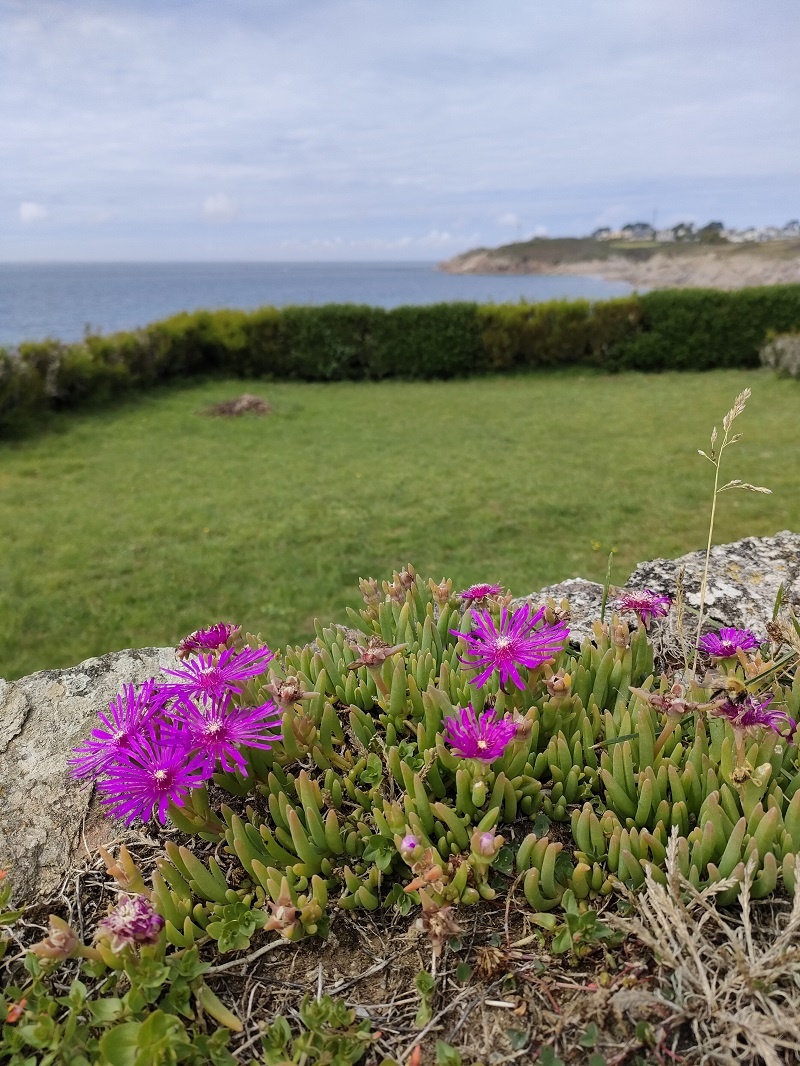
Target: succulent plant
367 801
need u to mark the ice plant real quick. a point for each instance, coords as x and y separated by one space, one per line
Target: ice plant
134 920
513 643
218 729
150 774
727 642
480 592
210 677
211 639
753 714
128 713
483 738
61 942
373 655
646 604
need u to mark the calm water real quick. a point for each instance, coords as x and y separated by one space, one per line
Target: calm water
62 299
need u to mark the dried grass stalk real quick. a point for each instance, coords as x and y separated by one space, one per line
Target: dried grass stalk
731 978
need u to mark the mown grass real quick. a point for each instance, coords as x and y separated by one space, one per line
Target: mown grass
131 526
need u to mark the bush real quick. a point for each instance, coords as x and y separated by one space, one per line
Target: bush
703 329
558 333
672 330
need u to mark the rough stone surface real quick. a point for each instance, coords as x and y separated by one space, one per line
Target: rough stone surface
783 354
585 599
46 815
744 578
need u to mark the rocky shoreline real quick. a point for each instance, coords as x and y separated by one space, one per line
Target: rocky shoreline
705 270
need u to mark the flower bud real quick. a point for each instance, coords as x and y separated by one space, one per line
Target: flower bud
61 942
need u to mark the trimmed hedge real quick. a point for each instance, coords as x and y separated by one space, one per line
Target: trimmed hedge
686 329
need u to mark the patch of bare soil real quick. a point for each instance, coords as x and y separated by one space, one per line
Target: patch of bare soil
246 404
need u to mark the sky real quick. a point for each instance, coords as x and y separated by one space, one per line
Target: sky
255 130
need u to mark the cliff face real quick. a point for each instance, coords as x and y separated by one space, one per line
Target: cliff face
725 268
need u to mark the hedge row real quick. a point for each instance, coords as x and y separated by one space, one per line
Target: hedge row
672 330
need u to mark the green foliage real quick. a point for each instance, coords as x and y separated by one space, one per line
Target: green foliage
705 329
143 1014
556 334
328 1036
362 768
678 330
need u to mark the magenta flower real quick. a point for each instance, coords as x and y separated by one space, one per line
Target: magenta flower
727 642
646 604
211 639
219 729
150 773
134 920
210 678
129 712
514 643
480 592
752 714
478 738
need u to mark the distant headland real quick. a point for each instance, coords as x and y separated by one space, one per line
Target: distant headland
711 257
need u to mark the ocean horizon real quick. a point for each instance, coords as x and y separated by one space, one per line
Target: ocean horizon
64 301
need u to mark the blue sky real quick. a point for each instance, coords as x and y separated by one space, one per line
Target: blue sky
378 129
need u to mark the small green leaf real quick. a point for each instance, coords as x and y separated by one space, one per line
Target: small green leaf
463 972
118 1045
548 1057
541 825
517 1038
589 1038
446 1054
105 1010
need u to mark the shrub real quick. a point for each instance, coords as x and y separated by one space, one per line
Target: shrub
703 329
680 330
558 333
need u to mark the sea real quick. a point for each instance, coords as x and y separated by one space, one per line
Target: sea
64 301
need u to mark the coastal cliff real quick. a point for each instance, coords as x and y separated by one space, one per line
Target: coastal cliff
657 266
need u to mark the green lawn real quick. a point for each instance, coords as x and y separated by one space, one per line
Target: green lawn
132 526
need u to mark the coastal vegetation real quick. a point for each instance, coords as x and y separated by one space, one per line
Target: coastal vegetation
657 331
450 799
524 479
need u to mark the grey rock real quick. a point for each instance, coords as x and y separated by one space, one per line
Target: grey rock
743 583
782 353
46 816
585 599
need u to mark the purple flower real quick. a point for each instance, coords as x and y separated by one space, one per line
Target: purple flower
480 592
218 729
129 712
150 773
646 604
514 643
134 920
210 677
478 738
727 642
752 714
211 639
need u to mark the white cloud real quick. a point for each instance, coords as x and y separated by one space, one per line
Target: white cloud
508 219
219 207
540 231
31 212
